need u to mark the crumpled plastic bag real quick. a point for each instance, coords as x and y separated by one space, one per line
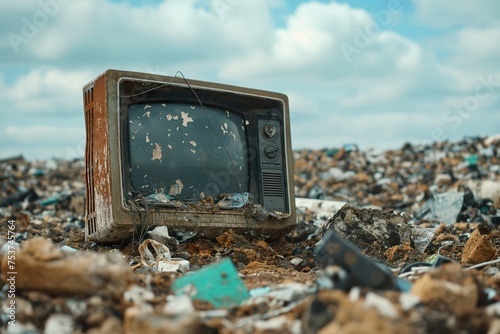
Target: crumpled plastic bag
163 261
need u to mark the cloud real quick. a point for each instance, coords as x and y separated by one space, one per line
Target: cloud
452 13
44 90
350 74
172 32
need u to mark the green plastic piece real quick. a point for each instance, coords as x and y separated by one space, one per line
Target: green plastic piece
431 258
471 160
218 284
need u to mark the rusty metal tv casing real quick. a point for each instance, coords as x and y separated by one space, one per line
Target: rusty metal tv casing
110 218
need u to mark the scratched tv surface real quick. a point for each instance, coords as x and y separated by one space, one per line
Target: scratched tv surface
190 144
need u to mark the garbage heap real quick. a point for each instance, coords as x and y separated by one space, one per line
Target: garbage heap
402 241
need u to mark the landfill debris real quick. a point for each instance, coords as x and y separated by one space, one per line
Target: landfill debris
143 319
161 235
442 207
449 287
359 270
289 290
137 295
232 201
217 284
178 305
163 261
160 198
59 323
479 247
365 226
41 266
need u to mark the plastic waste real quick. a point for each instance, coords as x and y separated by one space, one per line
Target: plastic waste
163 261
218 283
422 237
442 207
164 200
232 200
333 250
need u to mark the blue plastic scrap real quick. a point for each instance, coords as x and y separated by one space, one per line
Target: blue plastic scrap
218 284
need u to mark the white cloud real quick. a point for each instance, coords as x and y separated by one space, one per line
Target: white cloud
450 13
101 32
476 47
45 90
310 40
391 88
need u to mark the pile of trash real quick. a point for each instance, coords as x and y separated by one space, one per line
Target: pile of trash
400 179
403 241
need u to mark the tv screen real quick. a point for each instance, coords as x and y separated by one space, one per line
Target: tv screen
186 151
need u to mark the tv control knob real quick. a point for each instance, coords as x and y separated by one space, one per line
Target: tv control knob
271 151
270 130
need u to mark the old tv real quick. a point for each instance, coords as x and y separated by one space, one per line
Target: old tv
190 155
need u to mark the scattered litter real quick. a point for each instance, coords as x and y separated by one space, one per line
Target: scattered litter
443 207
361 270
41 266
137 295
161 199
217 284
383 306
178 305
232 201
434 261
449 286
364 226
59 323
68 249
163 261
296 261
479 247
422 237
160 234
147 257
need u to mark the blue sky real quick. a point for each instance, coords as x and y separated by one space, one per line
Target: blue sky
376 73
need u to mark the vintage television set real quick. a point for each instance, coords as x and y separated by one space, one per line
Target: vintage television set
190 155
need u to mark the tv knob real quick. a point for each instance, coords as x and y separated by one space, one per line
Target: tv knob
271 151
270 130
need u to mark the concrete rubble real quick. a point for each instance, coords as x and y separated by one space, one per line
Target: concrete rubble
401 241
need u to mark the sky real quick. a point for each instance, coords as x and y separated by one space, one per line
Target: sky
374 73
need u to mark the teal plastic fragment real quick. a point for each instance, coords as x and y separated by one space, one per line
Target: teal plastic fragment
471 160
218 284
50 200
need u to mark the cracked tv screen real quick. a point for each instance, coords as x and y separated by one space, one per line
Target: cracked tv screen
192 149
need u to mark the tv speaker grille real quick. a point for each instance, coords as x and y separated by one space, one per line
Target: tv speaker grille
272 184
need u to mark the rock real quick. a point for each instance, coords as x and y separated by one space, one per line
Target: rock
382 305
226 239
59 323
449 287
342 315
41 266
142 319
494 327
442 179
276 325
110 325
365 226
479 248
